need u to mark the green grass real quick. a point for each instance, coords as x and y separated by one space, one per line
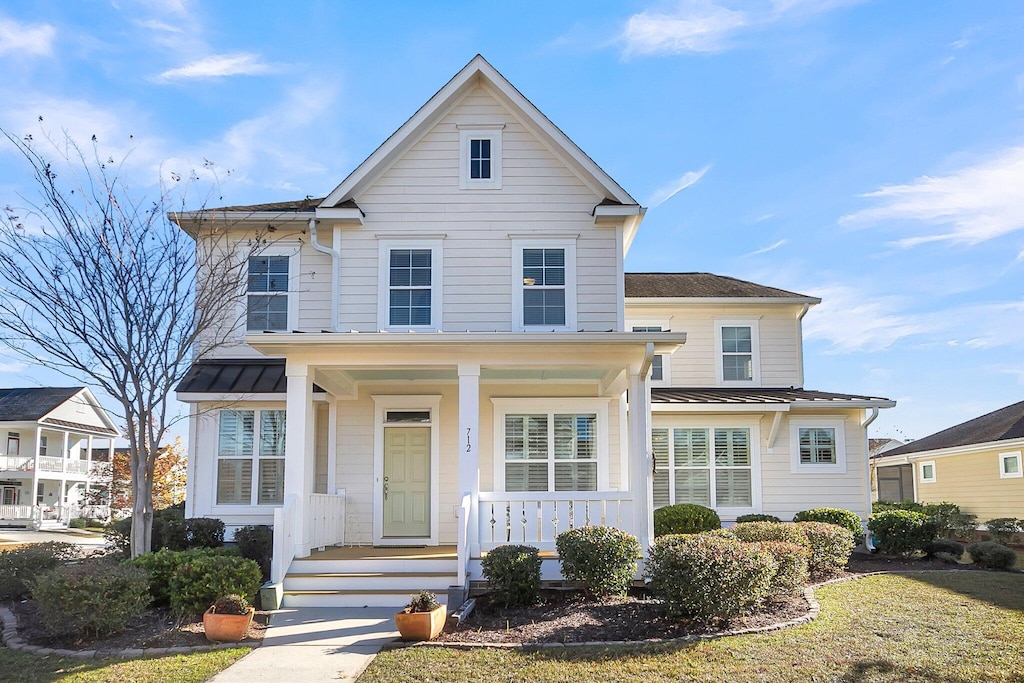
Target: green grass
19 667
945 627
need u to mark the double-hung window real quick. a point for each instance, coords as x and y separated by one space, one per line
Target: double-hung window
817 445
13 443
709 466
251 473
737 348
267 300
544 285
409 297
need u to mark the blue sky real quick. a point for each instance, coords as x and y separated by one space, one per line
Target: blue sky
870 153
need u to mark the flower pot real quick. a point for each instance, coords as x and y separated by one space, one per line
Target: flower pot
226 628
421 625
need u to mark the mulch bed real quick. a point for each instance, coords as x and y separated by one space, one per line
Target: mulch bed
864 563
565 617
155 628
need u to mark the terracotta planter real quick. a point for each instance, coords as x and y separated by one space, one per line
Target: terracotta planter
421 625
226 628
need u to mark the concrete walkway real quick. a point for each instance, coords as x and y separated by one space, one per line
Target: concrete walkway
83 538
313 644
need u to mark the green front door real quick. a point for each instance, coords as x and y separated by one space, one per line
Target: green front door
406 482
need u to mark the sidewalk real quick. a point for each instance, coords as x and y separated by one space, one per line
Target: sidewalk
82 538
313 644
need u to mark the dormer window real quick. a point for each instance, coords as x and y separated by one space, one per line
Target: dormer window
480 156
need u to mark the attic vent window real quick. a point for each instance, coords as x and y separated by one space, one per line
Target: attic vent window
480 156
480 159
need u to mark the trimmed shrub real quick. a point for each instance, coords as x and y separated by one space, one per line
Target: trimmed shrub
754 532
602 557
964 525
830 547
90 599
791 566
685 518
706 577
257 543
201 532
1002 529
757 518
513 574
838 516
946 546
992 555
23 564
902 532
943 514
78 523
198 581
883 505
722 533
168 531
161 565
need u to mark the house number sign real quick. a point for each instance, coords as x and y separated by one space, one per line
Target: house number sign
469 445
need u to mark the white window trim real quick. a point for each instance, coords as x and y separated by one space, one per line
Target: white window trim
755 351
480 131
568 405
242 508
1008 456
384 247
666 358
569 245
920 469
293 289
797 467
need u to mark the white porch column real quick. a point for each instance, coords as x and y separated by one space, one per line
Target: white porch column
640 479
469 448
332 443
88 463
299 466
35 466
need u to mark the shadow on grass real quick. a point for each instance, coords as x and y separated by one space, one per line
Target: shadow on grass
874 670
1001 589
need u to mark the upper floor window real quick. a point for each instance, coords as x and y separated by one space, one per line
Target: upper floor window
410 291
544 288
661 373
817 445
42 445
13 443
1010 465
267 302
736 343
480 156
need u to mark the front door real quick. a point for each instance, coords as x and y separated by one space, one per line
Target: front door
8 495
406 483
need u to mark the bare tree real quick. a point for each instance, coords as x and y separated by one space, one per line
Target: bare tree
102 286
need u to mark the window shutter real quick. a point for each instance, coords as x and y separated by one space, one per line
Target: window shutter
659 448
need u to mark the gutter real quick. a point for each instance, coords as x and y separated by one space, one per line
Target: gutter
645 366
335 268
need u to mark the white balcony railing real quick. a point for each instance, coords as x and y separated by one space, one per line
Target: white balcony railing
536 518
15 463
327 519
78 466
50 464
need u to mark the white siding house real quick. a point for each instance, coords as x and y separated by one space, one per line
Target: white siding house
444 355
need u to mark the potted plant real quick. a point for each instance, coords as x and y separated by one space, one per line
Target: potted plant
228 619
422 619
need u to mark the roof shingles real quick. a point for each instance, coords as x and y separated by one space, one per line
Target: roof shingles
702 285
999 425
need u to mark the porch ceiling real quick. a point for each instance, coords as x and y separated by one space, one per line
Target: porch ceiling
451 374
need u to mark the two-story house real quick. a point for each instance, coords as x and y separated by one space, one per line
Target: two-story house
461 362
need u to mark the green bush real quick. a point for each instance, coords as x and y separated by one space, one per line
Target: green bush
1002 529
964 525
706 577
943 514
685 518
770 531
24 564
168 531
838 516
161 565
257 543
201 532
757 518
791 571
943 545
721 533
902 532
883 505
78 523
90 599
513 574
602 557
830 547
198 581
992 555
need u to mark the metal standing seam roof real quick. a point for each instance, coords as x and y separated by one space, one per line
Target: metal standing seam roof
756 396
248 376
999 425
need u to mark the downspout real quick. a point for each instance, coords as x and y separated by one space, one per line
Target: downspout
645 366
335 270
800 336
868 541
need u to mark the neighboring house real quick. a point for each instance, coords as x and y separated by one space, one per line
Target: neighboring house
975 464
451 340
46 466
892 484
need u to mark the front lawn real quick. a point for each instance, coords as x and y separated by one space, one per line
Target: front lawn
19 667
950 627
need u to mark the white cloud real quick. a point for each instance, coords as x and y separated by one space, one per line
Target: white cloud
26 39
669 190
219 66
972 205
770 247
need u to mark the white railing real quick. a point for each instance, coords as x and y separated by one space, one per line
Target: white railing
21 513
99 512
16 463
78 466
327 519
50 464
463 548
285 520
536 518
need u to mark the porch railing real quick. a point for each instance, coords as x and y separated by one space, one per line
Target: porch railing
50 464
536 518
20 513
15 463
463 547
77 466
327 519
285 519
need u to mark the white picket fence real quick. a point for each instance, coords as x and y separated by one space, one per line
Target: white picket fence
536 518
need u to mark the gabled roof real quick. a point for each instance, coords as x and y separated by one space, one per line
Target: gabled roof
477 71
703 286
32 403
999 425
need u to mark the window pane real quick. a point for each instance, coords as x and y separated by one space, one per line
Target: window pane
271 486
474 149
693 486
657 368
732 488
400 277
659 448
526 476
526 437
268 274
236 433
817 445
575 436
1011 465
737 367
736 340
575 476
266 312
485 169
234 482
272 433
544 306
485 148
732 447
691 447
